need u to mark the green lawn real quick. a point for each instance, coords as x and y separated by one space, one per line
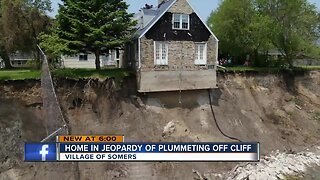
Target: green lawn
310 67
265 69
19 74
91 73
249 69
118 74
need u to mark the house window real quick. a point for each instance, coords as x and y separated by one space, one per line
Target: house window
83 57
117 54
181 21
200 53
161 53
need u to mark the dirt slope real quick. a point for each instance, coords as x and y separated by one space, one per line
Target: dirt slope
282 111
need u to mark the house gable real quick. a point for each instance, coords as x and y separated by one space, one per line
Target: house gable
179 7
163 31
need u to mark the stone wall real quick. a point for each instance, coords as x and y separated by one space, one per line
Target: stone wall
212 46
181 6
181 55
147 53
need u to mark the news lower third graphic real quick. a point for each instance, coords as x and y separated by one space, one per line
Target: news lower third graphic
113 148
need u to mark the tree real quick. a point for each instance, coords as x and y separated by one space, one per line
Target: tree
52 44
94 25
232 23
246 26
295 25
21 23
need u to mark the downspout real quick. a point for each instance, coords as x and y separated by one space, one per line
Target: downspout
217 56
139 53
139 67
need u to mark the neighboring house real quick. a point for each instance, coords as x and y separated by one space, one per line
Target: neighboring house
303 60
1 64
173 49
19 59
275 54
113 59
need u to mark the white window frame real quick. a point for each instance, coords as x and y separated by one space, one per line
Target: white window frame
180 26
160 61
197 60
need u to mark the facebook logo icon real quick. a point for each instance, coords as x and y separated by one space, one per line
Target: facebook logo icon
40 152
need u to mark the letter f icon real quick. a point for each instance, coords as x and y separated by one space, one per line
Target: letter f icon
44 151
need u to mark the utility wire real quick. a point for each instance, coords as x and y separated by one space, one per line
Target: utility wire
215 120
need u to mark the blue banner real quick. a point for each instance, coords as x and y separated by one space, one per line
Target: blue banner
40 152
159 147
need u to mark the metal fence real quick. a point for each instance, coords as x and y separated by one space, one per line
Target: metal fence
54 121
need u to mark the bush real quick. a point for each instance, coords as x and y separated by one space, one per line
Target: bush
33 64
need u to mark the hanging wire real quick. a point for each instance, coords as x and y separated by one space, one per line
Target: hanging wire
216 121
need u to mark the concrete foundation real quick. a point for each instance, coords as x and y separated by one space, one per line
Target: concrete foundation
157 81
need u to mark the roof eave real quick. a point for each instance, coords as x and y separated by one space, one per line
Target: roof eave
214 36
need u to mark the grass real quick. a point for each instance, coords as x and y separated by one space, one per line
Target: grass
297 101
317 116
310 67
265 69
118 74
292 177
250 69
20 74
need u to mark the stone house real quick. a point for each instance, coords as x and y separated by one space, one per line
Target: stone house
173 49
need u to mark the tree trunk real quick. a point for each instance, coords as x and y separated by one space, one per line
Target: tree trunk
289 60
97 54
4 55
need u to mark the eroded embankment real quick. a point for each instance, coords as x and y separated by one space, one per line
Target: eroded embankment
282 111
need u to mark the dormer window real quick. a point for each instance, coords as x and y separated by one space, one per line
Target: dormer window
181 21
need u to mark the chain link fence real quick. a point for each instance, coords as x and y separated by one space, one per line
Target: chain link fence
54 121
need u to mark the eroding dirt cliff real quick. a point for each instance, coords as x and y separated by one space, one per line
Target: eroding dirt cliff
281 111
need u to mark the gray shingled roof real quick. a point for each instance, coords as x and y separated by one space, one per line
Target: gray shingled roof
152 12
158 14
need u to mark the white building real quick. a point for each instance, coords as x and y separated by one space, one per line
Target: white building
82 60
18 59
1 64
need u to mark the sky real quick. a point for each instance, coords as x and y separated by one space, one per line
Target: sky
202 7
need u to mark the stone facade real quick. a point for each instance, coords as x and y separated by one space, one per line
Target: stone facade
181 55
181 6
212 50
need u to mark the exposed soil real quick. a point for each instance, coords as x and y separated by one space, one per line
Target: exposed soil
281 111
